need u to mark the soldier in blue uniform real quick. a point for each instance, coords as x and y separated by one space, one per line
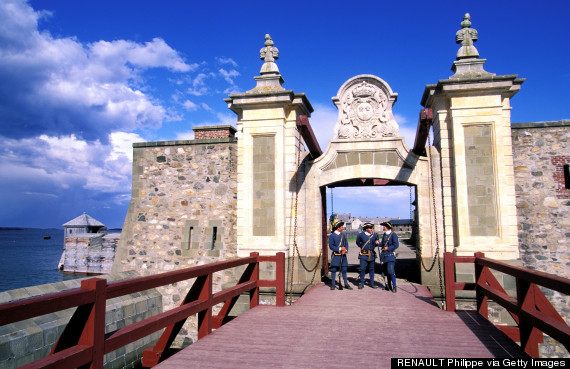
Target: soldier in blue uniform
339 262
367 241
388 245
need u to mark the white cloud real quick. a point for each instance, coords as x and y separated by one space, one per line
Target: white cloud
407 129
66 162
199 87
206 107
382 201
229 75
153 54
228 119
188 135
122 143
59 85
224 60
323 120
190 106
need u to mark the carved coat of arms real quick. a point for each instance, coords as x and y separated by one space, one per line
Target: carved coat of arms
365 109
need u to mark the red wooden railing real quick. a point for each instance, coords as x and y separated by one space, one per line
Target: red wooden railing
531 310
84 342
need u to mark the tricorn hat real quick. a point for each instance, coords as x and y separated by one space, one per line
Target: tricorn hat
337 225
387 224
367 225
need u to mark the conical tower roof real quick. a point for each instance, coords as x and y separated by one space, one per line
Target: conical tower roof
83 220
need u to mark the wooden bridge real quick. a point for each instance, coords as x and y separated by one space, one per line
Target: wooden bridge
348 328
363 328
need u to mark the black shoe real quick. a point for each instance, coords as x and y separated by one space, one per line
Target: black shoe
395 290
373 286
348 287
387 288
360 286
340 287
332 287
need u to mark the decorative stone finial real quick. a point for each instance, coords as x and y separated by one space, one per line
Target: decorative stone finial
468 65
269 79
466 36
269 54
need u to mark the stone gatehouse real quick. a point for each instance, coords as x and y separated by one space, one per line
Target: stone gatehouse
484 185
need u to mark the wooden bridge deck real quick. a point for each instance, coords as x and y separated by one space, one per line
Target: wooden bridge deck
343 329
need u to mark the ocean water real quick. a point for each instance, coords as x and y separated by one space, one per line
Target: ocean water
27 259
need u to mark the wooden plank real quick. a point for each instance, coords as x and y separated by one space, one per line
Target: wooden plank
120 288
326 328
15 311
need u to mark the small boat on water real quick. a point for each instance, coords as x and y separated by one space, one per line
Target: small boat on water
47 237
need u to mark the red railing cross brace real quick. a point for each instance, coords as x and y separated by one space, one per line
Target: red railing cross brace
83 342
531 310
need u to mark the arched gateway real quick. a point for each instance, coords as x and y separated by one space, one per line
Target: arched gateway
464 182
366 149
218 197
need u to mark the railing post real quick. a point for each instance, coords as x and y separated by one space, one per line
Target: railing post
280 279
254 294
528 333
481 279
94 331
205 316
449 270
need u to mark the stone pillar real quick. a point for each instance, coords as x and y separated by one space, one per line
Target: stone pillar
472 131
268 141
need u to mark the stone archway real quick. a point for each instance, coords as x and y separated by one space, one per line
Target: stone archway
366 146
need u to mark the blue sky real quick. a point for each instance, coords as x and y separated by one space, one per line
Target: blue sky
83 80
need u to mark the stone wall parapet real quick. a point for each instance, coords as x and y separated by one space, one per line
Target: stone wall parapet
185 142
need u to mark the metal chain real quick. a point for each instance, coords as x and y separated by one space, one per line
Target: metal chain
295 246
436 256
434 215
411 215
332 202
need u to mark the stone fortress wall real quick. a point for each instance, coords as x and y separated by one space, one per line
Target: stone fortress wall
182 211
90 253
540 153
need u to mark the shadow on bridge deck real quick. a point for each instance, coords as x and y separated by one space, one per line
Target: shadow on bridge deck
348 328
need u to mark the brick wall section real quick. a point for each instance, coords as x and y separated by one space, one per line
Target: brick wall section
183 194
206 133
543 204
558 162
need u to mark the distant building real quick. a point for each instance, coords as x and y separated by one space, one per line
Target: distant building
402 225
359 221
87 248
347 219
83 224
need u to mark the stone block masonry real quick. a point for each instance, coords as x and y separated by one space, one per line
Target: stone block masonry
182 214
540 151
90 253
